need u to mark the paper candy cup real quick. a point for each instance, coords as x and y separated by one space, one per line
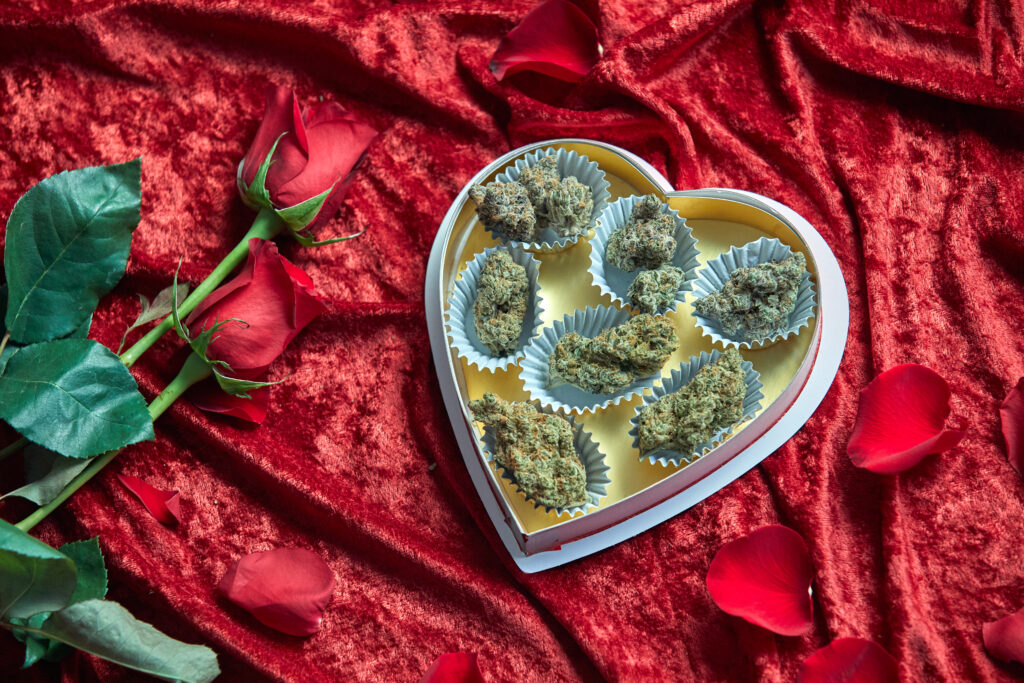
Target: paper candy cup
615 282
679 378
590 456
459 313
567 398
569 164
717 272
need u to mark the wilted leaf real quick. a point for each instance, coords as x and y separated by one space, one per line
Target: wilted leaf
108 630
47 474
151 312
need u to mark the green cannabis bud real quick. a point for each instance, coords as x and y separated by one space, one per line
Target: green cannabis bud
655 290
647 240
757 301
684 420
506 207
563 204
615 358
536 449
500 306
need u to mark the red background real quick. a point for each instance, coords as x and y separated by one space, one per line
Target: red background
894 127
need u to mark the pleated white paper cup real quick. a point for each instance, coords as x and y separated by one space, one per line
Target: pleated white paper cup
615 282
568 398
460 322
569 164
590 457
713 276
679 378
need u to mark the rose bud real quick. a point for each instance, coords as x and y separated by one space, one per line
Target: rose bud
273 300
300 163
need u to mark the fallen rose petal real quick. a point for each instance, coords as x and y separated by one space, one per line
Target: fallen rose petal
1011 415
1004 639
286 589
454 667
208 396
765 578
849 660
164 505
556 39
900 420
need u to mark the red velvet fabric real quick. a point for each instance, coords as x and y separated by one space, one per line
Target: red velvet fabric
893 126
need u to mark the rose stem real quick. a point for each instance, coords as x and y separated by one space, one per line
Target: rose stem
266 225
194 369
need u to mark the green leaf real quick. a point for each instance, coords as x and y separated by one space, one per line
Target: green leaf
73 396
80 333
92 583
92 571
33 576
151 312
108 630
67 245
47 474
38 647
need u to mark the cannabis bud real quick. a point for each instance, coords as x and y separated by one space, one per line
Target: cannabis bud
500 306
647 240
615 358
538 200
684 420
655 290
536 449
506 207
756 301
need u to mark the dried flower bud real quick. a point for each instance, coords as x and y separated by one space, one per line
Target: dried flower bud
756 301
684 420
500 306
655 290
615 358
536 449
506 207
647 240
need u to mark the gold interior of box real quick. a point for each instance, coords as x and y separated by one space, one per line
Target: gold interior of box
565 285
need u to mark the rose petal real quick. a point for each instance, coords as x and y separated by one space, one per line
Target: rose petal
279 116
287 588
765 578
1004 639
556 39
849 660
273 302
164 505
900 420
337 142
1011 414
208 396
454 667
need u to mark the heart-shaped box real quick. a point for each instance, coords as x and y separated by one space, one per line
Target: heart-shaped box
796 373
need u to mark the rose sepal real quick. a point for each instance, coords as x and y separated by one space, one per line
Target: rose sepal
256 195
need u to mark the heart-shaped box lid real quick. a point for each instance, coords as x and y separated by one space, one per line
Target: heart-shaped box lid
796 373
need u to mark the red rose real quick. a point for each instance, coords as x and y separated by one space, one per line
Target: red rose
273 297
308 158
